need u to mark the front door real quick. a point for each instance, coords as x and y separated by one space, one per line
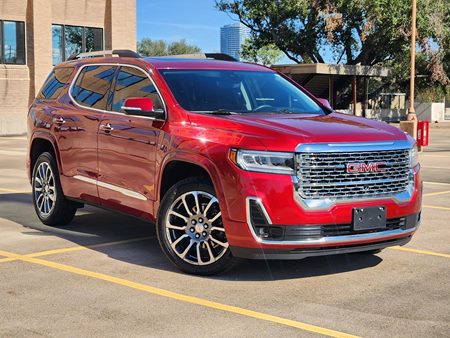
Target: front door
127 147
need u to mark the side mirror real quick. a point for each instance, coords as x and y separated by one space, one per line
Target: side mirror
142 106
325 103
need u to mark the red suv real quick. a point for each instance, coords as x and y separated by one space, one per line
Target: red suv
229 159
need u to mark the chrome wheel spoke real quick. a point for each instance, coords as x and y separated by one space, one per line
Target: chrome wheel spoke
211 202
199 256
183 199
225 245
197 204
212 220
217 229
184 253
174 244
210 253
176 227
178 215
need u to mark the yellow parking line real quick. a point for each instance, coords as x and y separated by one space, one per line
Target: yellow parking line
436 183
435 207
179 297
80 248
437 193
424 252
433 167
77 248
15 191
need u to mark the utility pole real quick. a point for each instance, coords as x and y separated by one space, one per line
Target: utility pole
411 111
410 125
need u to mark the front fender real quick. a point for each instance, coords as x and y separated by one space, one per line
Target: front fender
202 162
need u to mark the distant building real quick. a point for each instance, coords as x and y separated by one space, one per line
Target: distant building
36 34
232 37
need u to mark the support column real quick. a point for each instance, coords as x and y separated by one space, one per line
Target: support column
364 102
39 43
120 24
354 95
331 90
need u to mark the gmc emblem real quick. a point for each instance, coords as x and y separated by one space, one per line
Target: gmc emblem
365 167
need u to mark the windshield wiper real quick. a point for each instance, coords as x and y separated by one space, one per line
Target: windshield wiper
220 112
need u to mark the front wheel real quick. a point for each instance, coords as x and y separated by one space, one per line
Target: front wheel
190 229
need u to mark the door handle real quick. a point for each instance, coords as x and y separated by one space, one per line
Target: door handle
59 120
107 128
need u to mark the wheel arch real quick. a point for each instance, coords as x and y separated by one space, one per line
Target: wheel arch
176 167
40 143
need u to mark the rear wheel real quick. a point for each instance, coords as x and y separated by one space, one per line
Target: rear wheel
191 231
51 206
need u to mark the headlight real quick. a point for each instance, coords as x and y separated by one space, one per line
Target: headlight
414 156
263 161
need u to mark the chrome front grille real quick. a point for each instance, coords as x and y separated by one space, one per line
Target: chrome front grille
323 175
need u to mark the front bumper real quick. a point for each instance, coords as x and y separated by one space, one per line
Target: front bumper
300 253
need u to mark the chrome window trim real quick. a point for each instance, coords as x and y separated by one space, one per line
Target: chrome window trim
123 191
346 239
117 64
326 204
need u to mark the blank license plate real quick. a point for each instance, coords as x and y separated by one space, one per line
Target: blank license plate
369 218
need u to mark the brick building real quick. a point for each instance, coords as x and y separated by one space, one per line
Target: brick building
35 34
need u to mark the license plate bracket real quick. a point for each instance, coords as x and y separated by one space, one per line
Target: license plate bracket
369 218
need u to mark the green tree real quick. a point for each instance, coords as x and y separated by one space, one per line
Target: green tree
266 55
149 47
366 32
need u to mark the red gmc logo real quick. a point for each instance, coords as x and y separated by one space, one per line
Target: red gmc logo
365 167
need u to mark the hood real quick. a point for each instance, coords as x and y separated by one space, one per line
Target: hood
283 132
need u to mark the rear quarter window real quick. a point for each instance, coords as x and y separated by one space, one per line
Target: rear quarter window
55 82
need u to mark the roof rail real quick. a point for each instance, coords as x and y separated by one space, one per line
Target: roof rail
103 53
215 56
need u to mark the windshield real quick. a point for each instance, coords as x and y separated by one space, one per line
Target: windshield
237 92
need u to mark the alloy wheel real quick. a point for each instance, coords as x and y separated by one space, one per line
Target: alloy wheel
194 228
44 189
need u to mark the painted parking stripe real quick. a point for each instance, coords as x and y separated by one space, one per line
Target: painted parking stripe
437 193
14 191
180 297
78 248
436 183
435 207
423 252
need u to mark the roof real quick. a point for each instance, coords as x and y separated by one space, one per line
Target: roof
330 69
187 63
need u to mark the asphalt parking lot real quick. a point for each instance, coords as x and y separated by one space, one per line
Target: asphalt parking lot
104 275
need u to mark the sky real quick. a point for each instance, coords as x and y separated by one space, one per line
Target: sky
197 21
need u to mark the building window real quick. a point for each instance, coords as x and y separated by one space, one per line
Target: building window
12 42
68 40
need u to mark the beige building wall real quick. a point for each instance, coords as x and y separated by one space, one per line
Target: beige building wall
19 83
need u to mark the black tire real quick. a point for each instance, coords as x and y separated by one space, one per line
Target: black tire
62 210
225 260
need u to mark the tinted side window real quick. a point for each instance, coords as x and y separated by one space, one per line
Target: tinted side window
92 86
132 82
55 82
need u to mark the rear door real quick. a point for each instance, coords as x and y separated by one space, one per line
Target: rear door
78 127
127 147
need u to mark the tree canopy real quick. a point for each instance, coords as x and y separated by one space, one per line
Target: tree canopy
266 55
366 32
149 47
